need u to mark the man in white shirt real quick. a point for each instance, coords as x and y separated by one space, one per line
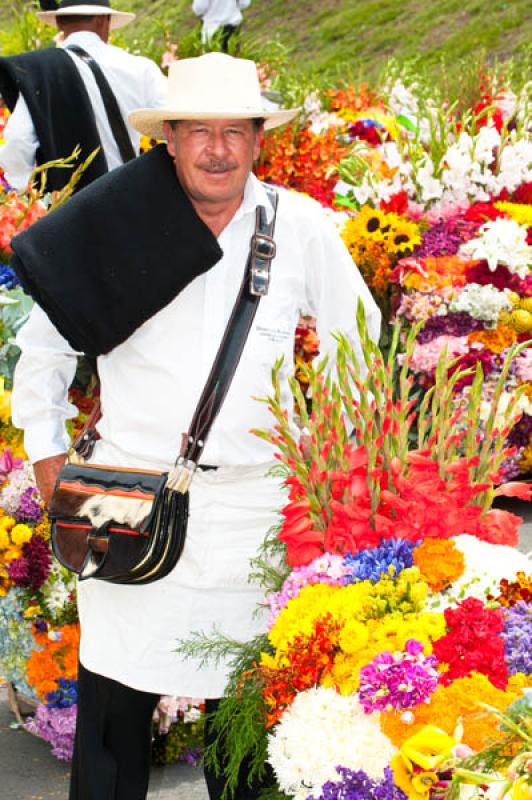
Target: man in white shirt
151 380
51 116
219 14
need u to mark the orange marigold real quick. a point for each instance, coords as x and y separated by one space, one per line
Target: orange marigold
56 658
496 340
458 702
440 562
439 272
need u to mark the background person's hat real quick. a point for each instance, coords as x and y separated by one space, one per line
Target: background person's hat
76 8
213 86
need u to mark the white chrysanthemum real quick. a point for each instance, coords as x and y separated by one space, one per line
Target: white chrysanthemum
482 302
319 731
485 565
501 241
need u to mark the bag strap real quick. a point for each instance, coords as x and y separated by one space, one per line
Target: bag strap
254 285
114 115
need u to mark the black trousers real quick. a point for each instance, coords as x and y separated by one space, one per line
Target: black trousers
112 749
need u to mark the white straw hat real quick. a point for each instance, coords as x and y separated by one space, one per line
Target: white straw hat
76 8
212 86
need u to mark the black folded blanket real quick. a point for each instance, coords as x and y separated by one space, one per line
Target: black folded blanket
115 253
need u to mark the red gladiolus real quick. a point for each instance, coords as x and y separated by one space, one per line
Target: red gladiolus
500 527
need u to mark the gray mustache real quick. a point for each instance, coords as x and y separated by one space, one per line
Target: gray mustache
214 165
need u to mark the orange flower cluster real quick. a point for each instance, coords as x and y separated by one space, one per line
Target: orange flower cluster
452 704
432 273
511 592
303 161
374 264
307 662
350 99
17 214
440 562
496 340
306 348
56 658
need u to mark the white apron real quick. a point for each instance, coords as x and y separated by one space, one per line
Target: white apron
129 633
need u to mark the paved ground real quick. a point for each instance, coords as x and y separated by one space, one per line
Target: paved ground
29 772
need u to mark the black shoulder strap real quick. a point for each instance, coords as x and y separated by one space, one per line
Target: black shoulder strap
262 251
116 121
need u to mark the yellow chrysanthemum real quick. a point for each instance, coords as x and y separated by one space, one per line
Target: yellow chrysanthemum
21 534
6 523
5 541
519 212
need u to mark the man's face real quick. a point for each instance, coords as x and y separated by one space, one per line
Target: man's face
213 158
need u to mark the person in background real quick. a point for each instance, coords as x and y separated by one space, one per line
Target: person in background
56 102
224 15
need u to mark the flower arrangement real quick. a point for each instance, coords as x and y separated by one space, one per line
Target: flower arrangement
387 628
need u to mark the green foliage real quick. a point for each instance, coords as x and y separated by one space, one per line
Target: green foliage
14 309
22 30
239 720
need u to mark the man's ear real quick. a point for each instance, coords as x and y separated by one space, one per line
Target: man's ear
169 135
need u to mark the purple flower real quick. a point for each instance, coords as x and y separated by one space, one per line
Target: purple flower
521 432
34 567
29 509
398 680
453 324
517 635
56 726
445 238
356 785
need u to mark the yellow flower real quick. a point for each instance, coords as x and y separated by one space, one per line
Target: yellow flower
519 212
404 236
6 523
5 541
21 534
520 790
32 611
420 755
5 403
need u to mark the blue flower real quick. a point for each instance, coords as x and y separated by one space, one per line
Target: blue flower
390 557
8 277
65 695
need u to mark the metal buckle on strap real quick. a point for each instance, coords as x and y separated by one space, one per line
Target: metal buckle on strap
263 250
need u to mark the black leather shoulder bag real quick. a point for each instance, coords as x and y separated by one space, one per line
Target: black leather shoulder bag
129 526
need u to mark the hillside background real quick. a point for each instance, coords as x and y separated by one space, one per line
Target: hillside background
335 38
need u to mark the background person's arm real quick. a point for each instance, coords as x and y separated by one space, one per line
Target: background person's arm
17 155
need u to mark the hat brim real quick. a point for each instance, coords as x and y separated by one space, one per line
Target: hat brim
149 121
118 18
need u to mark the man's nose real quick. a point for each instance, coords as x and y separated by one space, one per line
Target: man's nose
217 144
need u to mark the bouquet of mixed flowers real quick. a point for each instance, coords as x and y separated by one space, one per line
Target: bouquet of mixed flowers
401 601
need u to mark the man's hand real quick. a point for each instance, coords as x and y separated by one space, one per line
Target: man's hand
46 472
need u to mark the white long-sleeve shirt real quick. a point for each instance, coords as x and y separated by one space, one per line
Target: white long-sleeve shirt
150 385
216 13
136 82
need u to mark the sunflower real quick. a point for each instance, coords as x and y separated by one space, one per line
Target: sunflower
403 237
370 223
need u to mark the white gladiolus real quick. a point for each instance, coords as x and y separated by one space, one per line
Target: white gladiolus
501 241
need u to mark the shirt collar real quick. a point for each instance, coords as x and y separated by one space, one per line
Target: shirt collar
254 195
83 38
